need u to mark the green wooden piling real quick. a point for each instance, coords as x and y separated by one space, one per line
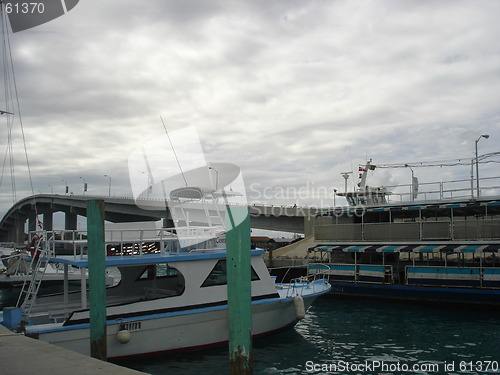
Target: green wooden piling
97 279
239 292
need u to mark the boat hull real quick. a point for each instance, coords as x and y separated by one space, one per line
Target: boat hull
155 334
417 293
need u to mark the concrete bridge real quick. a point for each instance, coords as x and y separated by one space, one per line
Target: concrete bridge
118 210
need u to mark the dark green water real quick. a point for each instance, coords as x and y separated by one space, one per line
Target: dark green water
340 336
354 333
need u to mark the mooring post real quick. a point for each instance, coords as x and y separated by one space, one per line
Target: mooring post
239 292
97 279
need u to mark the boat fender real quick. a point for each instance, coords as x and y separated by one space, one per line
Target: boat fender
300 309
123 336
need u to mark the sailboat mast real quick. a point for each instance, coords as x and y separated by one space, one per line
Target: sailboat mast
11 103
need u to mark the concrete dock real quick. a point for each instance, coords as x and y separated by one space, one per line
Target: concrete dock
20 355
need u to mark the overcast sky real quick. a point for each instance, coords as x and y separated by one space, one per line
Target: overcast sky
294 92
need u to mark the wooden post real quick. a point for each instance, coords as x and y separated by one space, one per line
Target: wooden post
239 292
97 279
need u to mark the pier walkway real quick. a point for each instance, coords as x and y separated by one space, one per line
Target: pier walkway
20 355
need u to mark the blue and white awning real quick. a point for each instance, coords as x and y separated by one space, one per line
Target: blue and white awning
409 248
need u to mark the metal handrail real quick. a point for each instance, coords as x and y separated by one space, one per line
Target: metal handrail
78 239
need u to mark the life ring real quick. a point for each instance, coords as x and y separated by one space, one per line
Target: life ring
35 247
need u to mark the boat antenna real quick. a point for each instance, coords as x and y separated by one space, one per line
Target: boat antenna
173 149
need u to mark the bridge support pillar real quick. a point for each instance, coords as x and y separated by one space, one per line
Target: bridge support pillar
168 223
17 232
48 221
308 225
70 223
31 223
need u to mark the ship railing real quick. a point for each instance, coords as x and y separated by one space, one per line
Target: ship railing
357 272
136 242
316 274
298 285
284 277
444 190
448 276
318 270
451 229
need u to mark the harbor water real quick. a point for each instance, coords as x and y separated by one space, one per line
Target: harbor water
341 336
352 336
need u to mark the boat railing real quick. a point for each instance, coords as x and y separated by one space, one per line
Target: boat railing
284 272
475 277
437 274
318 270
364 273
316 274
296 286
299 285
136 242
443 190
451 229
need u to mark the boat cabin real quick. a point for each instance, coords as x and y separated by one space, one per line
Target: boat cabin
150 283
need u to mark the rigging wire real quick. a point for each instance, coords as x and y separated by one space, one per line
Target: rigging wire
10 94
175 153
9 154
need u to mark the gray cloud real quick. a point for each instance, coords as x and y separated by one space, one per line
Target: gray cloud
291 91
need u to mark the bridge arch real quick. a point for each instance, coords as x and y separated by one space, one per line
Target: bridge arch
117 210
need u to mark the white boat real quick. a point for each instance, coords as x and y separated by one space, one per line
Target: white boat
166 300
15 269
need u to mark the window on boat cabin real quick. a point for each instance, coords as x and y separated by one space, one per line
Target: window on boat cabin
160 281
355 201
158 271
218 276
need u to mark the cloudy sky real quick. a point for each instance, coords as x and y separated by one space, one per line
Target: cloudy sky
294 92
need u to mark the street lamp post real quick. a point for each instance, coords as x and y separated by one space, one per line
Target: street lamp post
109 187
84 185
66 187
485 136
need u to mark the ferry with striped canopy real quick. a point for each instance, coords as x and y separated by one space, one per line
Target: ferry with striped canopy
440 250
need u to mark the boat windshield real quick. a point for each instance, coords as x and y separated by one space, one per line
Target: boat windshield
218 276
356 200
